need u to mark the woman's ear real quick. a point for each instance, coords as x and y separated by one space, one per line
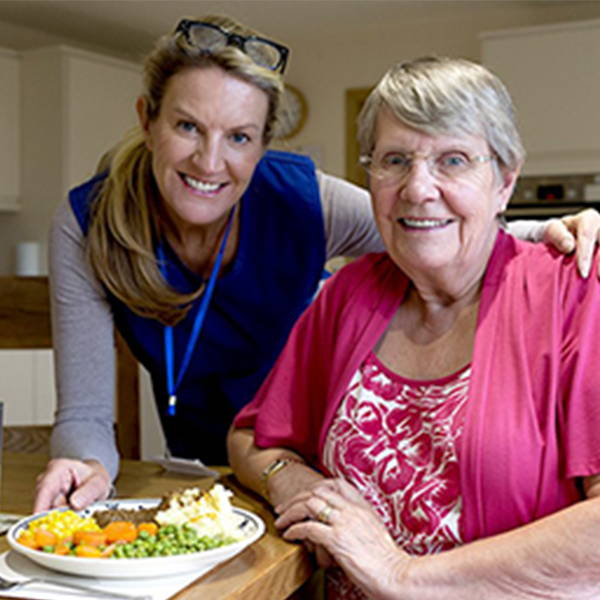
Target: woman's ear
508 180
141 107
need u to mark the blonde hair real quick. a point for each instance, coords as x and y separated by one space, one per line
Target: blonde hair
447 96
125 223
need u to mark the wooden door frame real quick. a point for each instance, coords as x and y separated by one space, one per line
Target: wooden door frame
355 98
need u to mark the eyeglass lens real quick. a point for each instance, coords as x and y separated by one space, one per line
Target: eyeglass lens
210 38
206 37
262 53
443 166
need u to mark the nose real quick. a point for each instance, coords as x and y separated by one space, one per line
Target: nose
208 155
419 184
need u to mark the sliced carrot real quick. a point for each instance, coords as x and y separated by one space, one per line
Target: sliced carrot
77 536
43 537
89 538
27 540
149 528
62 548
87 551
120 531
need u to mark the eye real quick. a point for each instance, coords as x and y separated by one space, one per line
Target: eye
395 160
453 161
187 126
239 137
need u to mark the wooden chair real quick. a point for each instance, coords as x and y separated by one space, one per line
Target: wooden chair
25 324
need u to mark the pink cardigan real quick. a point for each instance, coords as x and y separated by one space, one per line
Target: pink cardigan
533 412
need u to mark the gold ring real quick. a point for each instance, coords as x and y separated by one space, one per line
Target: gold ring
325 514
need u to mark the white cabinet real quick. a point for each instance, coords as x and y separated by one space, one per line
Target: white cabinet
99 105
72 106
553 75
27 386
10 148
76 106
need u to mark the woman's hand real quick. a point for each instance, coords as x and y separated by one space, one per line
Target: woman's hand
294 478
580 232
288 483
334 515
74 483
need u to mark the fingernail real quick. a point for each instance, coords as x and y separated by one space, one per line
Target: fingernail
567 244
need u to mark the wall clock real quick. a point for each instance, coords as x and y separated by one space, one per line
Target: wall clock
294 111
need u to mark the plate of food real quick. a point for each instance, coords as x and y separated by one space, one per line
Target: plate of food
151 537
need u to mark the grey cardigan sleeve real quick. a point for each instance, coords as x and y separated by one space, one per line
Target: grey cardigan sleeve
83 338
531 231
350 229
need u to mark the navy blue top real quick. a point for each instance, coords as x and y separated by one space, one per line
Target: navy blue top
275 273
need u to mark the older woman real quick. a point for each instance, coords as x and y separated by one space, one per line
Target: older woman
432 421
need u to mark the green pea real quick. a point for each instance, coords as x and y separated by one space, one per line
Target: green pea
169 541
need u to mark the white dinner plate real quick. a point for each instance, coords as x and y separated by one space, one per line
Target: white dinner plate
251 526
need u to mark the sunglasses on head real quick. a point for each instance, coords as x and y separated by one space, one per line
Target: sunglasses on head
212 38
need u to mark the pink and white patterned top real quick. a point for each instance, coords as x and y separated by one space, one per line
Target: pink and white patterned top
395 439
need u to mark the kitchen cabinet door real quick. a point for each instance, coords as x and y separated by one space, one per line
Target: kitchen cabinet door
100 94
75 105
27 387
553 75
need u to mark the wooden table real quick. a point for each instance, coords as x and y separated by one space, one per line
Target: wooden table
269 569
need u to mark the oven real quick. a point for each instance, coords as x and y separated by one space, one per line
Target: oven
543 197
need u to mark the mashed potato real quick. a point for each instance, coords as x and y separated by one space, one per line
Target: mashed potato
209 513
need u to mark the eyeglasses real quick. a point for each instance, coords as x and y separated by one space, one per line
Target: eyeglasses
395 167
212 38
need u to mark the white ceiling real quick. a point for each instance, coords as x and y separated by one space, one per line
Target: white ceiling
130 26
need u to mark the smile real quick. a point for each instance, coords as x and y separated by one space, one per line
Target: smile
201 186
424 223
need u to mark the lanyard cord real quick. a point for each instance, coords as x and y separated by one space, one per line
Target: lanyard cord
173 385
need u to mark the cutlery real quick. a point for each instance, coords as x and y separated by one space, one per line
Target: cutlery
6 584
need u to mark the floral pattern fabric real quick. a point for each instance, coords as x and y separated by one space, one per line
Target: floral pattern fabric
395 439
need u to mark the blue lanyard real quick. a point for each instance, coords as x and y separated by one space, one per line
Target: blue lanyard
173 385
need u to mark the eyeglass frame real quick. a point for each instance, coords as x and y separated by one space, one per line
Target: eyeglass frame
234 39
366 162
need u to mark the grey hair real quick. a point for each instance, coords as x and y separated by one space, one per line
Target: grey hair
446 96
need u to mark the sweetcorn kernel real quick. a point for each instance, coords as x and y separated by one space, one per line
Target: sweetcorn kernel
63 523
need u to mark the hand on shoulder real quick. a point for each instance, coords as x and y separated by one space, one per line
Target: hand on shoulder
579 233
